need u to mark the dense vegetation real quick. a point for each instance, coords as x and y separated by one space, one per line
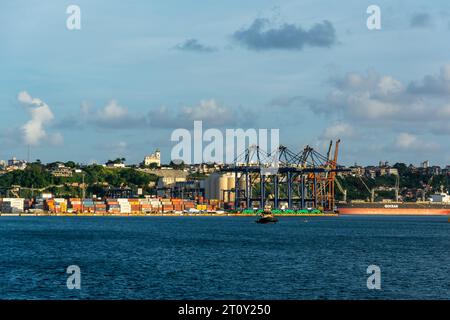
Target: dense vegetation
408 180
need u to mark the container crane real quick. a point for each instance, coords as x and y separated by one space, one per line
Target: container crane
332 173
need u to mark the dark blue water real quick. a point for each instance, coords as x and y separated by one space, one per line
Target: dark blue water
224 257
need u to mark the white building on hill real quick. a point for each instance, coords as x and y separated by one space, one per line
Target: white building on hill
153 158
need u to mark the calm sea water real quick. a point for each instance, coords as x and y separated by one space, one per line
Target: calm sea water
224 257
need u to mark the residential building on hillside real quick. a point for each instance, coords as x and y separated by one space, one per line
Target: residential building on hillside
15 164
61 171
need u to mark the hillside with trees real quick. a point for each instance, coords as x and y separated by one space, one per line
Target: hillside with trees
96 178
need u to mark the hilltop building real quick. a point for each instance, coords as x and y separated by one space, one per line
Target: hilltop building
15 164
114 165
153 158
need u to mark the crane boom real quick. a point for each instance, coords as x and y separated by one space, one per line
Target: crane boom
332 175
329 151
336 152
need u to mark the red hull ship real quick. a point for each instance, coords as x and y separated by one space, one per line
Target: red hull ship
394 208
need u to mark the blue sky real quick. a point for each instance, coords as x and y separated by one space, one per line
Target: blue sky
138 70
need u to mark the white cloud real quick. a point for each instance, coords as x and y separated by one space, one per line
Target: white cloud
382 100
338 130
208 111
24 97
406 141
34 131
408 117
388 85
410 142
112 116
116 116
113 111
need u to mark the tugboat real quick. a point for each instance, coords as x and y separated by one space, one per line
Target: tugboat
266 216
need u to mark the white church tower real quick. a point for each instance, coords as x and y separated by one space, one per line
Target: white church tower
153 158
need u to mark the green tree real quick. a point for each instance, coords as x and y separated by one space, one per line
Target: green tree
177 165
71 164
401 168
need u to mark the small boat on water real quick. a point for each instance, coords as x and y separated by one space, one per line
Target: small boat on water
267 216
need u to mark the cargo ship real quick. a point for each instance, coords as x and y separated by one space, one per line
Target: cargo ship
437 205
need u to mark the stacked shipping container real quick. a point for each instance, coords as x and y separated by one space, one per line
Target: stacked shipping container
12 205
125 206
75 205
111 206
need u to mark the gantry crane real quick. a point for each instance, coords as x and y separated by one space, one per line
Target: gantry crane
302 180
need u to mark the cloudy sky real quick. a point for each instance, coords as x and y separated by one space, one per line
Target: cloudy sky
138 70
